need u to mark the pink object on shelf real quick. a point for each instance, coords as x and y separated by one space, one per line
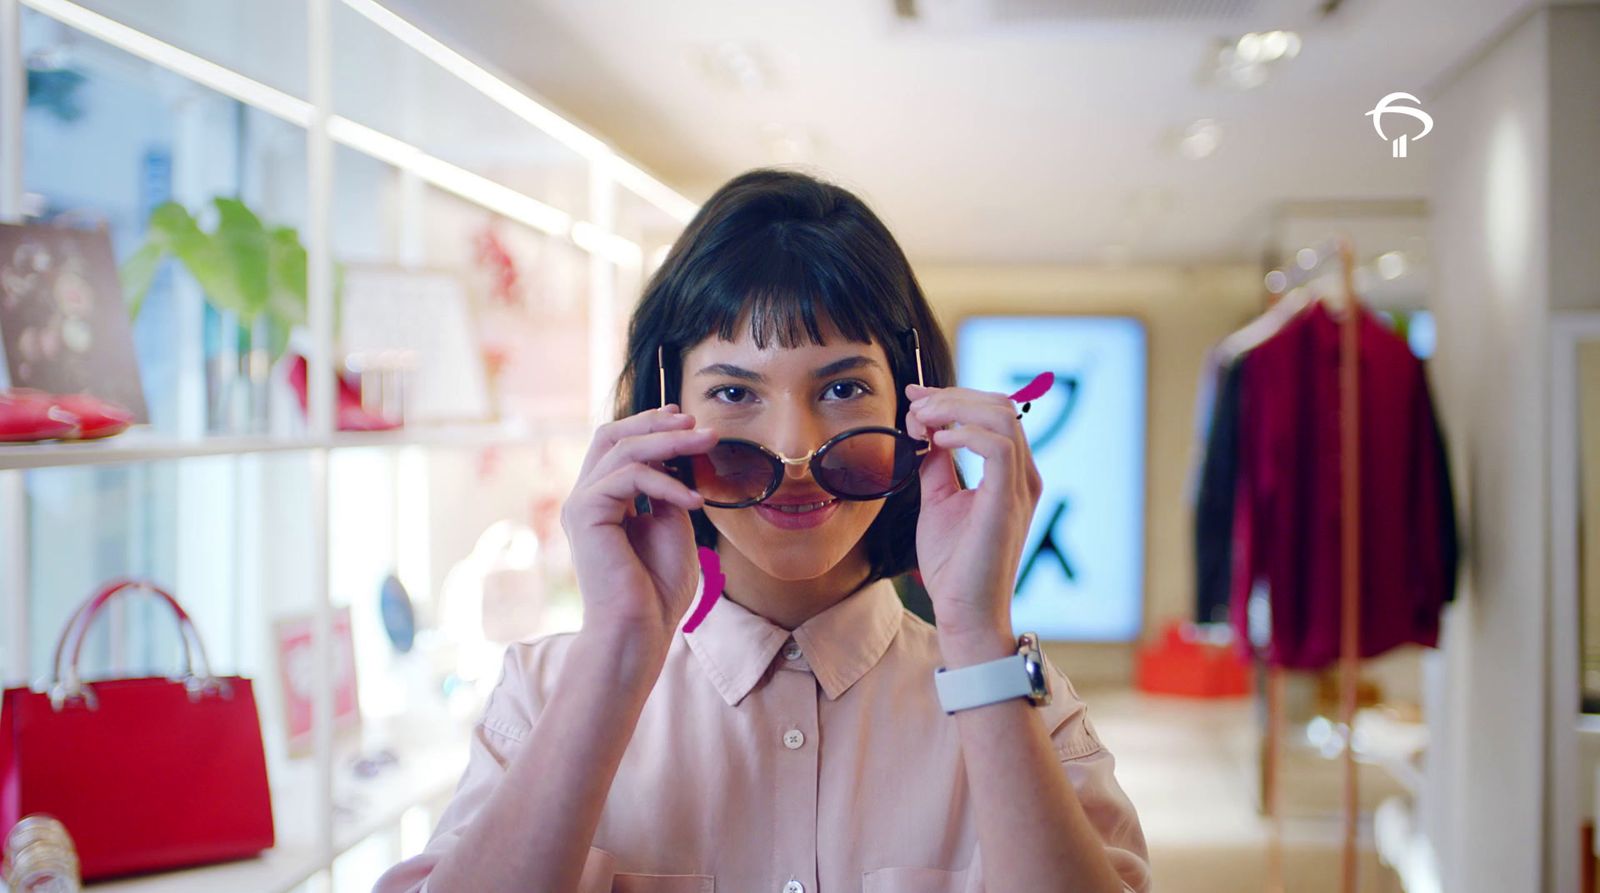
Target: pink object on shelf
28 416
351 415
96 418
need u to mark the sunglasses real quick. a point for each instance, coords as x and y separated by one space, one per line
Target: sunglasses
856 465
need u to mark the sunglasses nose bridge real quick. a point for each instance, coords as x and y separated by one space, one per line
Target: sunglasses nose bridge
797 467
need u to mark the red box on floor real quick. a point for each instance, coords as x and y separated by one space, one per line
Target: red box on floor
1182 662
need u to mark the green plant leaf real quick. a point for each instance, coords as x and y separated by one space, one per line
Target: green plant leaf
200 255
277 338
286 300
242 242
138 271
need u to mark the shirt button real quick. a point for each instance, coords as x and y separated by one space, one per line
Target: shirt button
791 651
794 887
792 739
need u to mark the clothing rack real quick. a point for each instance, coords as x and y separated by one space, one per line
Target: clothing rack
1336 249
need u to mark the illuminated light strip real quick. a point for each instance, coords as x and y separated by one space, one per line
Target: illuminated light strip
457 180
473 187
620 251
524 106
652 190
203 71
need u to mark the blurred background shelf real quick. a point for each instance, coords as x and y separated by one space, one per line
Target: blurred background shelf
424 775
535 234
137 446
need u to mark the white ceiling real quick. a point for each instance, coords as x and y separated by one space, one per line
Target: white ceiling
997 142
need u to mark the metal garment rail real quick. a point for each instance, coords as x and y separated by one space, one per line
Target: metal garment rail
1340 249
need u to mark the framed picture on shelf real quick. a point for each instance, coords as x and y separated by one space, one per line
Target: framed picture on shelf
63 322
424 314
297 670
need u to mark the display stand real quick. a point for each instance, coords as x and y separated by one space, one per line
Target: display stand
621 217
1348 313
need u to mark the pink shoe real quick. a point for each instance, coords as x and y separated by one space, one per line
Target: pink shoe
351 417
96 418
28 416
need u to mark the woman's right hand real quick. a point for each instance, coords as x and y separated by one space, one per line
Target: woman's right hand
637 573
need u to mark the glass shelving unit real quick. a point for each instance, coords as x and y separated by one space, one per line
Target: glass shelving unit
382 147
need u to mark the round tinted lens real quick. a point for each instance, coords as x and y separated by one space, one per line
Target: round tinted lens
867 464
732 472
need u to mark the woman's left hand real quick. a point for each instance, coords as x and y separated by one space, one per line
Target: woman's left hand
969 542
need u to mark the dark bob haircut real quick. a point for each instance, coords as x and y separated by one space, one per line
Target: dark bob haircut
792 253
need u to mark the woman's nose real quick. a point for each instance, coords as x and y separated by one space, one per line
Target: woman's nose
797 434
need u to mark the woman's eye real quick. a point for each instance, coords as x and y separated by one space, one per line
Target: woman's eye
729 394
844 390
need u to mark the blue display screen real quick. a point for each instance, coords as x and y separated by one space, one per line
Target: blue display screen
1082 571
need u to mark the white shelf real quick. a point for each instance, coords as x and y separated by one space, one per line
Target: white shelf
143 446
426 774
280 869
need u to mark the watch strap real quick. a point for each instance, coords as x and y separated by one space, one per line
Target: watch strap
985 683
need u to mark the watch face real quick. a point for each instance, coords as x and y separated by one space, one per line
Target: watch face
1033 662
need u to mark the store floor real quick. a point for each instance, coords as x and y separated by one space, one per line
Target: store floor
1190 768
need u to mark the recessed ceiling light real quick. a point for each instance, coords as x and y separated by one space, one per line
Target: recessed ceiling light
1200 139
788 144
1246 62
1391 265
736 67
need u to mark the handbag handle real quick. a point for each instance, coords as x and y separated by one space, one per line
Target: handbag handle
66 684
95 602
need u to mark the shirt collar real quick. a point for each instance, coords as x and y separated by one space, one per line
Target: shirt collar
736 645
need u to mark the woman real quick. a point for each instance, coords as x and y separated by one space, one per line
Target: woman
793 741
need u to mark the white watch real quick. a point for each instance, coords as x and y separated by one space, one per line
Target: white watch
1018 676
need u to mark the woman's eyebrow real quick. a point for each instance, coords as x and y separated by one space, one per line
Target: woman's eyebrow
833 368
846 364
732 371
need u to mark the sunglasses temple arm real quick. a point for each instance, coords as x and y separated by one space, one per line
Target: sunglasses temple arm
916 347
661 377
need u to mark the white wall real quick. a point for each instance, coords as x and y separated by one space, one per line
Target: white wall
1515 207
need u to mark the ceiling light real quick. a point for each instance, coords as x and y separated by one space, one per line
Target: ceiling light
1245 62
473 187
787 145
1200 139
202 71
1276 281
513 99
1391 265
1307 258
736 67
1248 48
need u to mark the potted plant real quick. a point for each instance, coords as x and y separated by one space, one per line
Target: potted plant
252 274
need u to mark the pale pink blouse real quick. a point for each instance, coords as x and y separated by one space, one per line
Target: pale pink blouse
770 762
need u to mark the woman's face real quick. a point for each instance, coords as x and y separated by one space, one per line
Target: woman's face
790 400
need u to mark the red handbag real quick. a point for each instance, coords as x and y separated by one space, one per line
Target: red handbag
146 774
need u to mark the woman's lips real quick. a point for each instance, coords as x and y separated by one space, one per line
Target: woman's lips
792 520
